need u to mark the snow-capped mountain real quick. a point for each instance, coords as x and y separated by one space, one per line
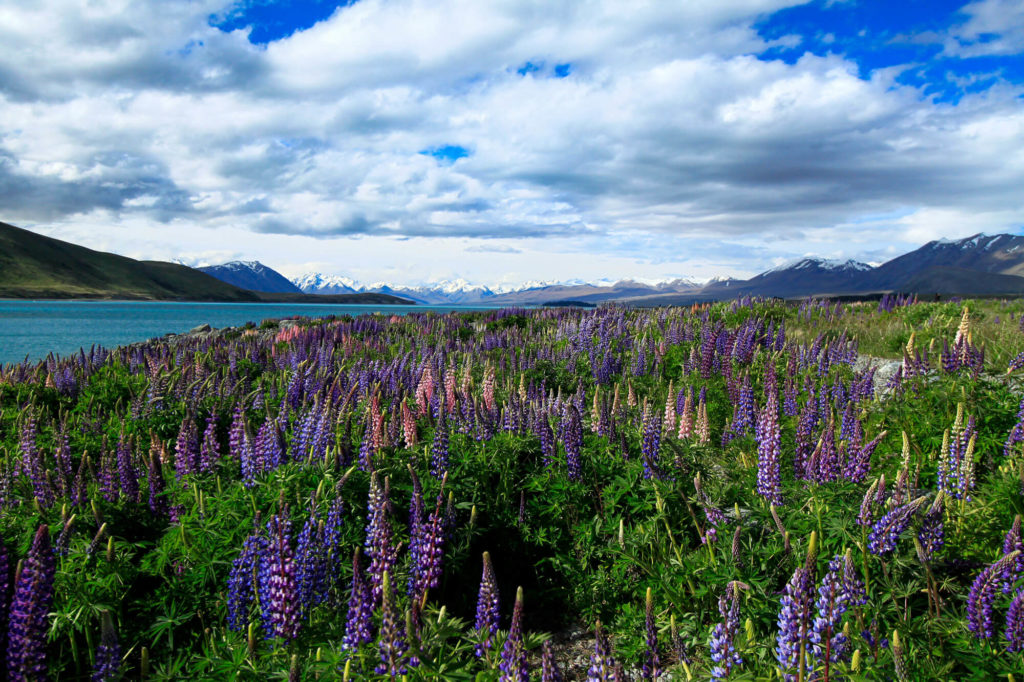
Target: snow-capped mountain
813 264
447 292
461 292
316 283
251 275
1000 254
799 278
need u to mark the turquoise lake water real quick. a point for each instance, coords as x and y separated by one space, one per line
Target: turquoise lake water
34 329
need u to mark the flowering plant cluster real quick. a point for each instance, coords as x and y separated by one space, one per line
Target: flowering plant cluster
749 489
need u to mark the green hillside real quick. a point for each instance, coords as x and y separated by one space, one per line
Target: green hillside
34 266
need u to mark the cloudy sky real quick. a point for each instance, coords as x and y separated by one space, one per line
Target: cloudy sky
510 140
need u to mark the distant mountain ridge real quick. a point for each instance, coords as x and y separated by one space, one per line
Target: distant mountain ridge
977 265
254 276
460 292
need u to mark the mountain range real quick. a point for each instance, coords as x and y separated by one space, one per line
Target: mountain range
460 292
976 265
35 266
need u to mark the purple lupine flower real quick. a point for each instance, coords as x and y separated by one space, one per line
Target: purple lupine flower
867 506
415 526
186 450
854 591
487 613
789 404
887 530
572 440
602 663
722 640
241 587
394 649
62 457
4 568
108 653
652 662
27 442
744 413
30 608
858 463
379 535
1015 623
155 479
267 451
360 609
769 445
208 454
547 439
426 571
983 594
439 448
107 476
513 665
931 534
311 564
794 620
549 670
32 462
238 437
804 438
126 469
651 445
278 591
1013 542
830 645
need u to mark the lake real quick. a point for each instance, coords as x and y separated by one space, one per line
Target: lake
37 328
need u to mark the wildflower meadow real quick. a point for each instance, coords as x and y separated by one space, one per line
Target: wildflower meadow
749 490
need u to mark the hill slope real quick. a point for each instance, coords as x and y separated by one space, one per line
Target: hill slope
35 266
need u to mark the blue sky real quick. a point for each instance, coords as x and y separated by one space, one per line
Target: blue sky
414 140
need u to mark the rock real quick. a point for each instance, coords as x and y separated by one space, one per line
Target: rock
201 329
885 369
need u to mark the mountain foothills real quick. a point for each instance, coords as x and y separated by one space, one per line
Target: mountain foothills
34 266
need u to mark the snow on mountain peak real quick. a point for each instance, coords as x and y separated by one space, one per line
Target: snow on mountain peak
821 264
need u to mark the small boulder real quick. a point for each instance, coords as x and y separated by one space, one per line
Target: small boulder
201 329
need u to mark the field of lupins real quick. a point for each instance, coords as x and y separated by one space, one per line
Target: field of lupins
736 491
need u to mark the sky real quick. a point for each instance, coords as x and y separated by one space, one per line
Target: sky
505 141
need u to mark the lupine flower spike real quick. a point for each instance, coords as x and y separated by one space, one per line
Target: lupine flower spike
652 663
108 653
602 663
513 664
983 594
394 657
487 606
722 641
549 670
30 608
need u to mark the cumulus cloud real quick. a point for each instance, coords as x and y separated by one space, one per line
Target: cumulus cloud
653 132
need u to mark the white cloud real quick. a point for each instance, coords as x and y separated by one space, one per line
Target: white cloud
139 128
993 27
